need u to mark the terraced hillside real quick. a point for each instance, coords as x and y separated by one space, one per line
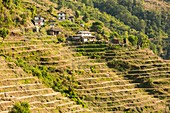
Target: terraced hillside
18 85
147 69
141 67
83 76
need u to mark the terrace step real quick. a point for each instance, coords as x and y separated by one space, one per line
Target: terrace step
108 92
104 88
4 105
126 107
39 97
20 87
14 81
25 92
114 83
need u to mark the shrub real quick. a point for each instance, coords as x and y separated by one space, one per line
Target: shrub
4 33
61 39
21 107
119 65
36 72
97 27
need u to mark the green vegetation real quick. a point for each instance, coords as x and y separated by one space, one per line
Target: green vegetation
124 21
132 13
61 82
97 27
86 17
4 33
119 65
133 40
21 107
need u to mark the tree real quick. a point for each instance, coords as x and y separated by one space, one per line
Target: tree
85 1
133 40
4 33
143 40
55 1
34 11
61 3
17 2
86 17
7 3
97 27
21 107
77 14
51 9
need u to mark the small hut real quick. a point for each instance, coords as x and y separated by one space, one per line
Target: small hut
54 31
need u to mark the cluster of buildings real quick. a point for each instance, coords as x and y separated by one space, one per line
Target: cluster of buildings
81 36
39 21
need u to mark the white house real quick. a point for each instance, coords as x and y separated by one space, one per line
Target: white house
84 36
39 21
61 16
84 33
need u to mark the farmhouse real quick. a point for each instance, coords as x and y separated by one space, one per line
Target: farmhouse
54 31
84 36
39 21
116 41
61 16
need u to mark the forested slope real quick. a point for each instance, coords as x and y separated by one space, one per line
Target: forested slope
133 13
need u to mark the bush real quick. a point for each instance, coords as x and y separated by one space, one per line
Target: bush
4 33
36 72
119 65
21 107
61 39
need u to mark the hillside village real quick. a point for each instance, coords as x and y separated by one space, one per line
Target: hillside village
74 56
54 30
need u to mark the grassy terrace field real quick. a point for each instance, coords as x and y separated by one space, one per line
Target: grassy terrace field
84 77
22 80
146 71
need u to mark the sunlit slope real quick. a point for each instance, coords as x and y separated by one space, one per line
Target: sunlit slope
18 83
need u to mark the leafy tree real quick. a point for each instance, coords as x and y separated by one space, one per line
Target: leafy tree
51 10
61 3
77 14
143 40
153 47
55 1
17 2
34 11
97 27
7 3
0 2
114 35
21 107
86 17
4 33
85 1
90 3
133 40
